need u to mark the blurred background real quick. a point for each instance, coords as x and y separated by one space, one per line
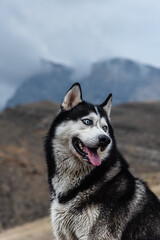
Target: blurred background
46 46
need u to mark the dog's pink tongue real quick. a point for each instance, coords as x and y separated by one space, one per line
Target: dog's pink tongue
93 157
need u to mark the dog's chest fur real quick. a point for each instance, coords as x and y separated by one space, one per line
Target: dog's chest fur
70 222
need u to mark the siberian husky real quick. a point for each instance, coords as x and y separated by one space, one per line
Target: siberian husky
93 194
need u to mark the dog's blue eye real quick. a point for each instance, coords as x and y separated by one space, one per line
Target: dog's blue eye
87 121
105 128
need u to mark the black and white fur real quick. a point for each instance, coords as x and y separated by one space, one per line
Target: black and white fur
94 196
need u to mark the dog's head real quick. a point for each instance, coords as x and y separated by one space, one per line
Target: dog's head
83 130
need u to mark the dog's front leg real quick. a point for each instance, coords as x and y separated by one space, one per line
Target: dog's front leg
83 238
61 236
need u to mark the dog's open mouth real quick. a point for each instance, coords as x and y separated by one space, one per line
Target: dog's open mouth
90 155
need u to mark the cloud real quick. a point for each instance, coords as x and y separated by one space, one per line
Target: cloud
75 33
6 90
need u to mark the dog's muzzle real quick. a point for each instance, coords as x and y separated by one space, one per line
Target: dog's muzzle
104 141
88 153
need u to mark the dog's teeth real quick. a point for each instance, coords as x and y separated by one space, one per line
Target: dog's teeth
80 144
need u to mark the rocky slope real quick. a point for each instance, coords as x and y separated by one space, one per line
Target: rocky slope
23 180
24 192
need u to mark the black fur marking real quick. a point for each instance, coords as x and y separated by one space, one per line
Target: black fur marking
106 101
97 175
51 165
146 223
111 188
94 177
113 201
102 112
110 192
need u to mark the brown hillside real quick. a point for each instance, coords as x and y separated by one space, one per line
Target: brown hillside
23 177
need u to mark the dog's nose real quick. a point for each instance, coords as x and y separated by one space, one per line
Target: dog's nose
104 140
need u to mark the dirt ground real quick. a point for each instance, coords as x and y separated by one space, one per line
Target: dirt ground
37 230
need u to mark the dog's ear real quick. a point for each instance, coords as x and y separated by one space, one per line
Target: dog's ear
107 105
72 98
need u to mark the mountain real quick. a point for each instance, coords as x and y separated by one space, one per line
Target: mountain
24 193
46 85
128 81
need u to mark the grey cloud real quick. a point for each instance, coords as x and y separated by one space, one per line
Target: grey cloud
75 33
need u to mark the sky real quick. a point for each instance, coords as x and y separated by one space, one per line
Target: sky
73 32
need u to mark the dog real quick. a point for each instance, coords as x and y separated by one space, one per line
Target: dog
93 194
